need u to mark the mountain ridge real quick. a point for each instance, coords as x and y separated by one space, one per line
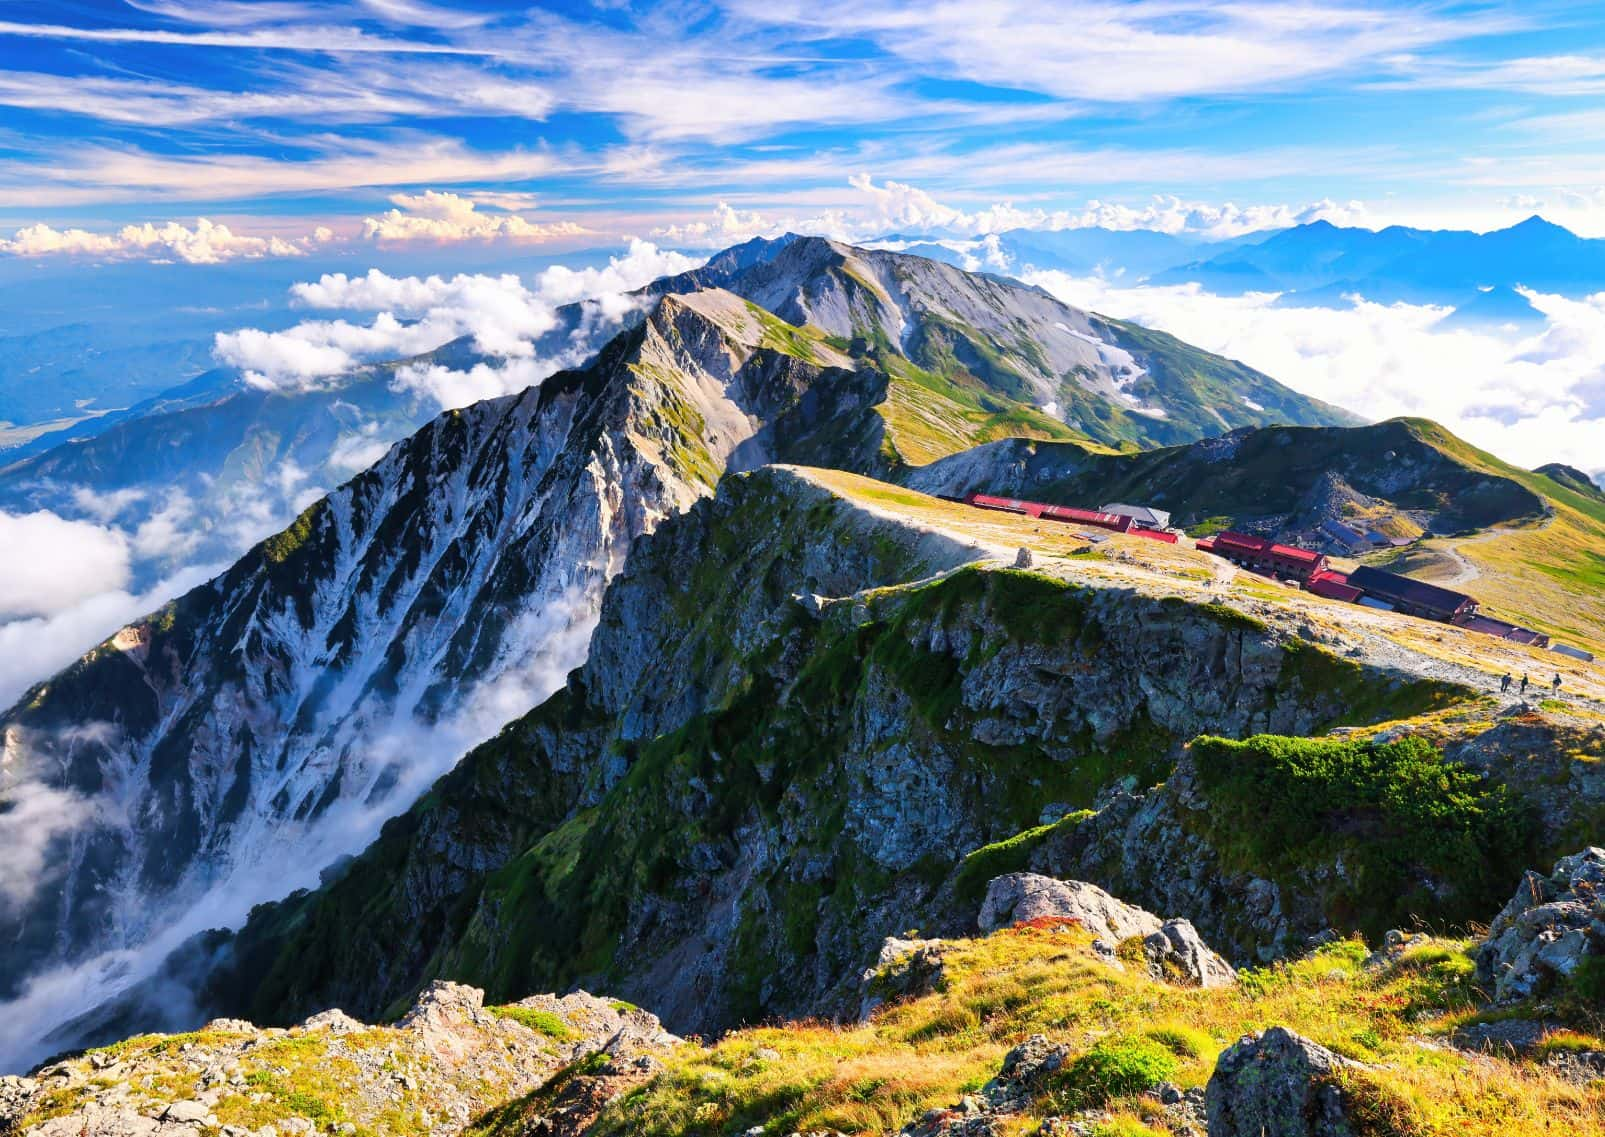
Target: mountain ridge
470 555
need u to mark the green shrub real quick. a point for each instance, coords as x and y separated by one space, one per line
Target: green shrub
1588 980
1182 1041
541 1022
1116 1067
1394 812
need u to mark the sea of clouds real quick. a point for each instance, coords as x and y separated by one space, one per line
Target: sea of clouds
1530 396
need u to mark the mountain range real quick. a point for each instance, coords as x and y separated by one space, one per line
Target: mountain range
1318 264
741 695
227 462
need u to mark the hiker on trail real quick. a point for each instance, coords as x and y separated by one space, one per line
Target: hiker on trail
1555 682
1504 682
1524 684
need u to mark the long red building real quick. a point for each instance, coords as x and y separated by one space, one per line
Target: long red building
1113 521
1261 555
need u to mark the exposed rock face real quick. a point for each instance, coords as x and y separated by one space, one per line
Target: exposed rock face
15 1094
1548 929
448 1061
1140 845
260 726
1112 380
1172 948
772 788
1276 1084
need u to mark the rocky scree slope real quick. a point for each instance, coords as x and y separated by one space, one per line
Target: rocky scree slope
269 717
764 768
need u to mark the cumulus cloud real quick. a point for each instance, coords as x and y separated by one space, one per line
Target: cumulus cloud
206 243
893 207
728 226
1530 397
52 563
445 218
503 315
640 264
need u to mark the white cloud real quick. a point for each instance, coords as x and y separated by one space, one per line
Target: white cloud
452 388
34 816
338 40
1530 398
1167 214
1105 51
728 227
642 263
414 13
448 217
353 94
92 173
36 647
898 207
206 243
1566 76
52 563
502 314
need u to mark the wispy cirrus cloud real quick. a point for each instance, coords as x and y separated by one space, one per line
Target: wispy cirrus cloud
1564 76
329 163
328 39
350 95
1119 52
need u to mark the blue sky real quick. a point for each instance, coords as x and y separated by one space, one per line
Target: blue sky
571 125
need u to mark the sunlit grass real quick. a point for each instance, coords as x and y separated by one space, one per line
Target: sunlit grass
927 1052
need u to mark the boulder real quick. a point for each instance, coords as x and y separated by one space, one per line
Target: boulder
1548 929
1276 1084
1178 954
982 1114
1023 1071
904 969
335 1021
1173 949
1023 896
187 1112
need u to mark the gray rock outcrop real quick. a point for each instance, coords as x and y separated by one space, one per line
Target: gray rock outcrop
1177 953
1022 896
1023 1072
1277 1084
904 969
1173 949
447 1061
1549 927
